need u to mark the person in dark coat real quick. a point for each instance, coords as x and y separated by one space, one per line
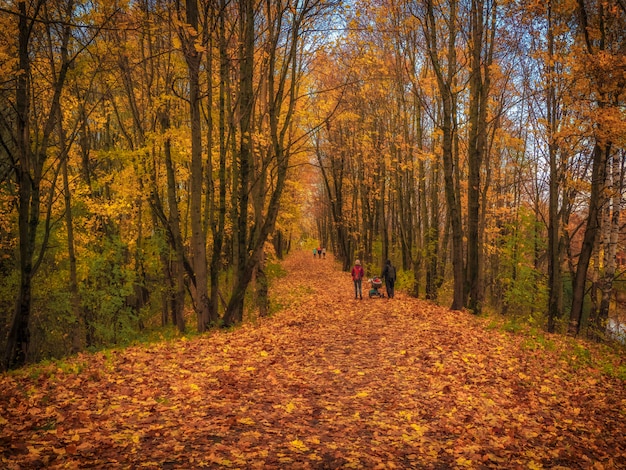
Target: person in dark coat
389 274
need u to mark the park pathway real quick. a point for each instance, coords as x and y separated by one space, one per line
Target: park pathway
327 382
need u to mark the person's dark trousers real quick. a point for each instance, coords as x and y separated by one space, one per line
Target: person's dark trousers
357 289
389 284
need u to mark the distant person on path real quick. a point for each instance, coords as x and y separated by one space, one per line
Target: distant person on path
389 273
319 252
357 278
314 253
324 253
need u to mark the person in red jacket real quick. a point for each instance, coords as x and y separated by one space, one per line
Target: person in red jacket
357 278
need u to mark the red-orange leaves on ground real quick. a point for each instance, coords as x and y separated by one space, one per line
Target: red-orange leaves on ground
329 382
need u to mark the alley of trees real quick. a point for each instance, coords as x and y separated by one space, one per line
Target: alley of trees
156 157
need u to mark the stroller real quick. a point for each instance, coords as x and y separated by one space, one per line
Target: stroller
377 284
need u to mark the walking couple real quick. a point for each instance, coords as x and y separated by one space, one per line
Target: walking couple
389 274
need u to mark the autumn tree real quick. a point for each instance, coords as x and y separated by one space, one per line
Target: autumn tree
29 133
193 47
154 156
555 245
445 68
600 63
285 26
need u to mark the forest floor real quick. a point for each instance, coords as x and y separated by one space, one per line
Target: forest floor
327 382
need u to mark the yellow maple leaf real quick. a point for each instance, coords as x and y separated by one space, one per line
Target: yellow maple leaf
420 430
299 445
463 462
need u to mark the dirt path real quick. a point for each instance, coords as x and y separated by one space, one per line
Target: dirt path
328 382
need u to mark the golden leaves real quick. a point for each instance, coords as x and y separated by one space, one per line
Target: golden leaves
327 382
298 445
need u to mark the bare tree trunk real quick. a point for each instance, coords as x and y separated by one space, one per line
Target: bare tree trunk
333 182
480 84
450 156
28 171
234 313
592 229
611 237
593 292
19 334
433 278
282 93
555 280
193 57
176 239
424 250
75 334
601 153
218 229
262 288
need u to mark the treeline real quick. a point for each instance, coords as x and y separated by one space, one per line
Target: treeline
480 145
146 148
154 153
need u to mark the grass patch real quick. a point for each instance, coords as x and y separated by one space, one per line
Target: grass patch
72 368
274 271
611 369
40 370
492 325
607 359
50 367
166 334
580 356
513 325
538 341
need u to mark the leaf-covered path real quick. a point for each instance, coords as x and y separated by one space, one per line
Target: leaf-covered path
328 382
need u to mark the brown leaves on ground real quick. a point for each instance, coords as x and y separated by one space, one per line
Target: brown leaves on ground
329 382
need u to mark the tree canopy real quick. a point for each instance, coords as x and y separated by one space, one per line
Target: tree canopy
157 158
